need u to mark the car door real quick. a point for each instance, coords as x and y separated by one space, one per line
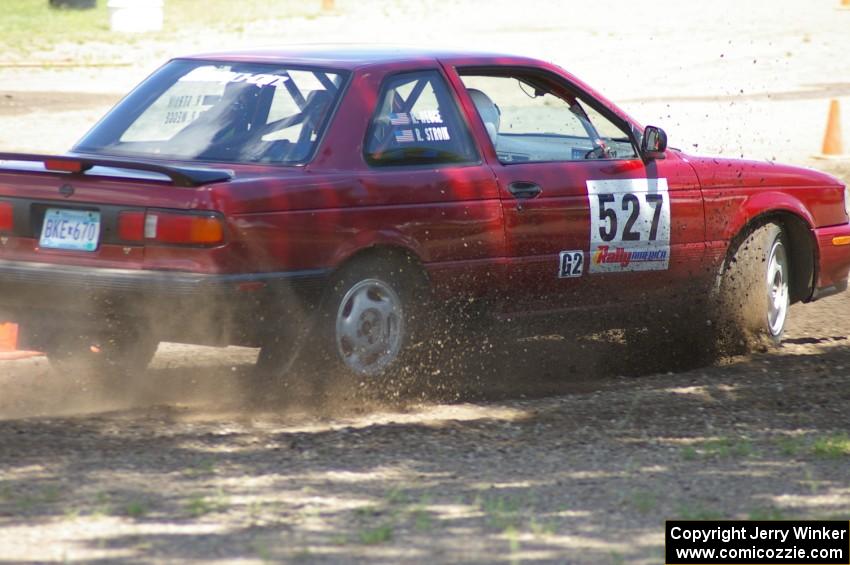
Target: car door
587 222
425 186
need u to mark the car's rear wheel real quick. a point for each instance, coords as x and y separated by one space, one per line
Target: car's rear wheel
755 289
369 327
364 329
373 316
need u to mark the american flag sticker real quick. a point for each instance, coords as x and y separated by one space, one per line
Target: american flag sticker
400 119
404 136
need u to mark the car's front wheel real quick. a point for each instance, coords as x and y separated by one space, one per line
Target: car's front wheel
755 288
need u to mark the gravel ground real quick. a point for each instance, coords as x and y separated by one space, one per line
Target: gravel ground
581 467
526 451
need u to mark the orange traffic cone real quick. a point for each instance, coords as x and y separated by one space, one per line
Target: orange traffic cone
8 337
832 137
9 344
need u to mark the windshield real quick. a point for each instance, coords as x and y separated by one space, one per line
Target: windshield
227 112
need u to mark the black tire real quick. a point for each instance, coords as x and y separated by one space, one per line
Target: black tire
754 292
107 358
285 344
316 346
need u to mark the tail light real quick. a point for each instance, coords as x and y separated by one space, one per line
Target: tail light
131 226
65 165
170 228
7 217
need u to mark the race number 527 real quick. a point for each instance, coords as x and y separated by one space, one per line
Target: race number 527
629 225
630 211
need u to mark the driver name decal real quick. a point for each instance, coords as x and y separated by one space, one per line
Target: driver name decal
629 225
422 125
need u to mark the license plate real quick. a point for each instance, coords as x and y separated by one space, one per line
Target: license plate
75 230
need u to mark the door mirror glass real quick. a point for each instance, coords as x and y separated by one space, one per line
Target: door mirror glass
654 143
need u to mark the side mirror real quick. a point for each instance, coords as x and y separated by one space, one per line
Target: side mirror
654 143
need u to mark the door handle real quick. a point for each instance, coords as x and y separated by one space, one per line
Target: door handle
524 189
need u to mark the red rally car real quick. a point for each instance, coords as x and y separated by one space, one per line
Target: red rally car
340 197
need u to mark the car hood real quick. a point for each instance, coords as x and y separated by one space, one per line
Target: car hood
718 172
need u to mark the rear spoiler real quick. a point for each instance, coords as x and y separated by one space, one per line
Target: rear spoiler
79 164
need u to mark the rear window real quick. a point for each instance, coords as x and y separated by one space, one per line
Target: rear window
228 112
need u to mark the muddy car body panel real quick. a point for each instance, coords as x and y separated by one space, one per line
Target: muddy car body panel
529 218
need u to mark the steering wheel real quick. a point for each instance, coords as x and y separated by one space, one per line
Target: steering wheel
599 152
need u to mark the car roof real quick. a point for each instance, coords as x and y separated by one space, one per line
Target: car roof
349 57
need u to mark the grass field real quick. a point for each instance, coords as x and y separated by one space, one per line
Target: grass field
31 26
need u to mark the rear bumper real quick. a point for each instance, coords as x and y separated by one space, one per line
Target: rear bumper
178 306
833 260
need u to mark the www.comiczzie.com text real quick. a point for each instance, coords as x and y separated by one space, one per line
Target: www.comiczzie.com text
801 542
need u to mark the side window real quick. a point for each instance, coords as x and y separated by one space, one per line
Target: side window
417 123
528 121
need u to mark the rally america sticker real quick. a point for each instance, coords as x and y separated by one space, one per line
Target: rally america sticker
629 225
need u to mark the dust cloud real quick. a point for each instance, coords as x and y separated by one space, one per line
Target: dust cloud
499 362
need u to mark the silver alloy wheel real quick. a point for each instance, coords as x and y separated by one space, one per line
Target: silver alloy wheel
369 327
777 288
